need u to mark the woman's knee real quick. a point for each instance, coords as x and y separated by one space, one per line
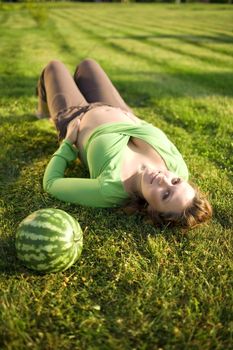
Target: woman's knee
87 64
53 66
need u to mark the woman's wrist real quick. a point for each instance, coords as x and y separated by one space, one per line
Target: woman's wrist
71 143
69 140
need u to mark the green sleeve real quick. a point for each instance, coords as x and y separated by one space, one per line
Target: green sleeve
72 190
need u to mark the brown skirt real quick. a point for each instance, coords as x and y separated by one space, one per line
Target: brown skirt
65 116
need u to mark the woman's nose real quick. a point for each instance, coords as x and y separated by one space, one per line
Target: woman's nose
163 180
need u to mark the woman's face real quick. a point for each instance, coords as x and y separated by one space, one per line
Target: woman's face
165 192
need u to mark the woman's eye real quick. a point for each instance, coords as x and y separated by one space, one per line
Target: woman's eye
166 195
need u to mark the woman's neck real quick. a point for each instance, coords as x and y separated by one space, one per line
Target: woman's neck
135 164
133 183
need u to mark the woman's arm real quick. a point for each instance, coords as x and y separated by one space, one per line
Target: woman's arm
72 190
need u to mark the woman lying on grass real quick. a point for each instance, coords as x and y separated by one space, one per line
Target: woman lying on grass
131 163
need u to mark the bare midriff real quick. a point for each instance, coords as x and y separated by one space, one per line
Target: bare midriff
102 115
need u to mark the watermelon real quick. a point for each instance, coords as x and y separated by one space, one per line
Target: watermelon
49 240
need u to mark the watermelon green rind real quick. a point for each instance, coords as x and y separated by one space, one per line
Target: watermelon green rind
44 239
58 264
49 248
37 226
55 218
49 240
41 262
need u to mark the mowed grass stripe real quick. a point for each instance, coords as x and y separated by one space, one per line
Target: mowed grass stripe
124 25
203 90
127 49
185 32
167 12
153 38
11 47
98 43
13 21
130 37
72 48
196 55
161 20
47 43
111 44
136 53
52 44
19 45
199 25
146 26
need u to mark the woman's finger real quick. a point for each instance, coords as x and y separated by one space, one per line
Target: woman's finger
76 122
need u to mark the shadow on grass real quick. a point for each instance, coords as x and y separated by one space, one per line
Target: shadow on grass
154 86
203 59
15 85
180 83
222 215
9 264
25 143
223 38
142 87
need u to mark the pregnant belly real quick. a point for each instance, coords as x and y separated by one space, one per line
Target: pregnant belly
98 116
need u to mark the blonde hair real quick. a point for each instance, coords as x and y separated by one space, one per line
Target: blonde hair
198 212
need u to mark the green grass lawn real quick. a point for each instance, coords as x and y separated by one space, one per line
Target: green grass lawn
135 286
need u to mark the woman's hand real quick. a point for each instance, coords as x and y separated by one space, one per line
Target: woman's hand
72 131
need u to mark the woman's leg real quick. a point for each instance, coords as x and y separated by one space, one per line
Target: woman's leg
58 89
95 85
59 94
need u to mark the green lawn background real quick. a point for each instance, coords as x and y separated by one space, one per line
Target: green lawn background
135 286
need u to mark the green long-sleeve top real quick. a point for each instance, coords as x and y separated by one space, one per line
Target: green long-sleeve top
103 155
